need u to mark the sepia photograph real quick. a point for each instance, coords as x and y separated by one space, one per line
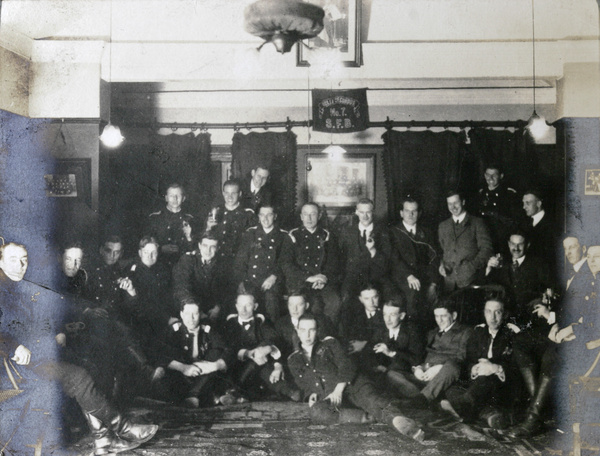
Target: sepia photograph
299 227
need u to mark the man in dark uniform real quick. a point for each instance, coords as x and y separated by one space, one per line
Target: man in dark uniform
324 372
198 276
257 191
228 222
257 261
171 226
364 252
575 253
498 205
312 261
490 368
415 262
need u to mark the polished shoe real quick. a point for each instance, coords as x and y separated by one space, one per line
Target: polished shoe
135 433
531 426
408 427
104 442
494 419
446 406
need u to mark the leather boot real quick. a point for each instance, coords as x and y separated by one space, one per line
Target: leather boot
135 433
104 442
528 380
533 423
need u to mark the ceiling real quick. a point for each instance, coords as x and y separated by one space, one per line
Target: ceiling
192 61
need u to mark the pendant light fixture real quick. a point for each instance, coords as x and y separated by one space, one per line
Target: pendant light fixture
536 125
111 136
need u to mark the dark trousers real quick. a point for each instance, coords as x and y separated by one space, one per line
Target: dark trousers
326 301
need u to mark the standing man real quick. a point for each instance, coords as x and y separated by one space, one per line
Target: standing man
498 205
364 250
312 261
171 226
228 222
257 261
539 227
415 262
257 192
466 243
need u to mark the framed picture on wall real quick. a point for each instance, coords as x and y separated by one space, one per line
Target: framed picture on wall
592 182
341 33
71 180
340 183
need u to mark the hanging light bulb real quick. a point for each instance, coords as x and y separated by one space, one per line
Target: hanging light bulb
334 152
111 136
536 125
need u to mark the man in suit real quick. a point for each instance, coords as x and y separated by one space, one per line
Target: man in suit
415 262
257 191
198 277
364 251
257 261
397 348
575 253
312 262
490 368
445 356
539 228
466 245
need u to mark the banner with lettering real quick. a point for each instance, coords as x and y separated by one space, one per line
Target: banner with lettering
340 111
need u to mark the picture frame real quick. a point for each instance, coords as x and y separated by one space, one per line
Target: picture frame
341 32
71 180
339 184
591 182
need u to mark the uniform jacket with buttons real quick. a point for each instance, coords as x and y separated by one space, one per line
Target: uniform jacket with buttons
309 254
501 203
582 307
197 281
103 288
259 255
254 200
328 365
229 230
287 337
167 228
466 250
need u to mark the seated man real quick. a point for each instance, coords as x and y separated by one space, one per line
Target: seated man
286 325
490 367
397 348
312 261
252 339
32 343
445 356
198 360
198 277
325 373
360 323
171 226
257 260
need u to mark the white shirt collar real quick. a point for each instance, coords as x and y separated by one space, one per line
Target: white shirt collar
409 228
460 218
370 314
244 322
520 260
253 188
394 332
294 322
537 217
368 229
577 266
448 328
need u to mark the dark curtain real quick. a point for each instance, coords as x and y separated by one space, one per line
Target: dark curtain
138 176
513 151
424 164
277 151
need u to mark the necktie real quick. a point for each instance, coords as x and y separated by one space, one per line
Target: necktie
457 222
515 266
194 345
364 235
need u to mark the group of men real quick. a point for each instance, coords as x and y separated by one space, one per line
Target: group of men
234 308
